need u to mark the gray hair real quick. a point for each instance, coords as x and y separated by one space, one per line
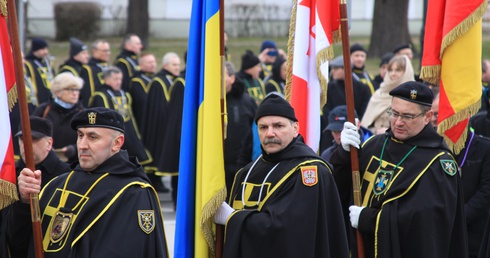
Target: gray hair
96 43
230 68
166 58
108 71
65 80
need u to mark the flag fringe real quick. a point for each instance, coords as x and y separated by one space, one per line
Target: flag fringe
8 193
323 56
207 215
463 26
431 73
12 96
449 122
289 64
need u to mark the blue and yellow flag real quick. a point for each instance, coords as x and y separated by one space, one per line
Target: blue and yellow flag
201 172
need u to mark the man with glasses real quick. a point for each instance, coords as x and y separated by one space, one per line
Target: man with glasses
412 205
91 73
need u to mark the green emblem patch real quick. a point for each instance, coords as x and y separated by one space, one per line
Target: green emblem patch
449 166
383 178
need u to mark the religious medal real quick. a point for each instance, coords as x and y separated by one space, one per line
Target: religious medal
60 225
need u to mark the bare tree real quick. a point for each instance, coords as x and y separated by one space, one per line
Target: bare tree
138 20
390 26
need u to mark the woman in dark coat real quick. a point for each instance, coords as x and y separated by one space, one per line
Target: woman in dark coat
65 103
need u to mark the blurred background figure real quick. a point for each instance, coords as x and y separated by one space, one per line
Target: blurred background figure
39 69
78 57
65 104
376 118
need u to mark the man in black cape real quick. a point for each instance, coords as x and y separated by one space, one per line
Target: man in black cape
105 207
412 202
285 203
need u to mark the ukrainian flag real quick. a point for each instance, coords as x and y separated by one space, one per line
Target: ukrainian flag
201 171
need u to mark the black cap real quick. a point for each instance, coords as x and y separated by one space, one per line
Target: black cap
275 105
337 62
40 127
357 47
38 43
400 47
249 60
385 59
98 117
76 46
337 118
414 92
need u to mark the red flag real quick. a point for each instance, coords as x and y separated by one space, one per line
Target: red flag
315 26
452 59
8 190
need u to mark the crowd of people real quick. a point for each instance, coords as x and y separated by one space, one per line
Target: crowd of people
118 122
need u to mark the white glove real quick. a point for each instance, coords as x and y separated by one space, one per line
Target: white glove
349 136
355 212
223 213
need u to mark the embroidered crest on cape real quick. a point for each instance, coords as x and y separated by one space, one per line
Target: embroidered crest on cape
382 179
449 166
146 220
60 225
309 175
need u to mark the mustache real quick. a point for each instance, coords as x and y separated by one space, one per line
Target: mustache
272 140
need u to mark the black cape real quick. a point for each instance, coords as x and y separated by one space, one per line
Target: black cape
41 73
92 76
127 61
138 88
120 216
414 209
72 66
18 240
299 213
162 123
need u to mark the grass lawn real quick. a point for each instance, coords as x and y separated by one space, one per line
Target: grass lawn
236 47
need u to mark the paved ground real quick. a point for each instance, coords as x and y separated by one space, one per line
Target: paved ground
168 217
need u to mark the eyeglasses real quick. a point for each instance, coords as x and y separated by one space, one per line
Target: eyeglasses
405 118
72 90
103 50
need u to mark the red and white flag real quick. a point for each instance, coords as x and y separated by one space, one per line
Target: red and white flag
8 189
315 26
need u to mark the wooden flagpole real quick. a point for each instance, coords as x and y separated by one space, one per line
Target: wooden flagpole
349 99
220 228
26 126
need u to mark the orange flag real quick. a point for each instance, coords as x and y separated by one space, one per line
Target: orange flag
452 59
8 189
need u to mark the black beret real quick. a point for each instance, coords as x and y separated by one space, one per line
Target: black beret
400 47
98 117
357 47
249 60
414 92
38 43
275 105
40 127
76 46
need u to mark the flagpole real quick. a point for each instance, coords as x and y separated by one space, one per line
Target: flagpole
220 228
349 99
26 127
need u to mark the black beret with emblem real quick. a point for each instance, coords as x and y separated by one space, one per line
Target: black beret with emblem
275 105
98 117
414 92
